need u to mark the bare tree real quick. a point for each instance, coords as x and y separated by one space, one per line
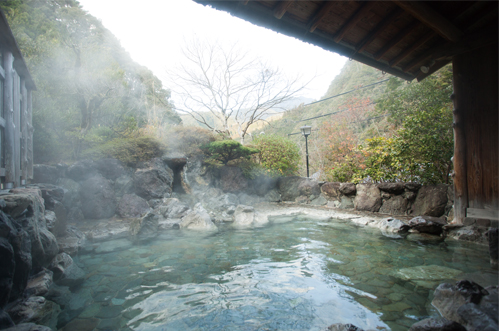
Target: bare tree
227 85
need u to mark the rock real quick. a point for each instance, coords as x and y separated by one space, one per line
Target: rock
59 226
232 179
393 188
40 283
50 193
28 327
346 203
468 233
248 200
154 182
414 187
302 199
132 206
72 241
8 264
294 186
428 224
476 319
348 188
5 320
97 198
66 272
427 273
81 170
492 235
43 173
145 227
449 298
392 225
343 327
75 215
110 168
172 208
431 200
123 185
263 185
424 238
36 310
50 219
195 175
396 205
320 201
368 198
244 216
437 324
409 195
71 198
331 190
198 219
272 196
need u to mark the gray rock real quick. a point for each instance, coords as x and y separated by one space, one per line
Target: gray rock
244 216
154 182
492 234
392 225
43 173
468 233
145 227
66 272
396 205
343 327
7 261
110 168
75 215
476 319
97 198
294 186
232 179
172 208
368 198
409 195
431 201
263 185
28 327
198 219
348 188
414 187
247 199
36 310
5 320
72 241
428 224
424 238
195 175
39 284
331 190
272 196
132 206
437 324
81 170
123 185
393 188
319 201
72 190
346 203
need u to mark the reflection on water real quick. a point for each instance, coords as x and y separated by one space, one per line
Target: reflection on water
296 274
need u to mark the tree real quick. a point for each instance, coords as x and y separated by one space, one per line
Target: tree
225 83
279 156
227 150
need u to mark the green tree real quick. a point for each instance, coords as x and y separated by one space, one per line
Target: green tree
279 156
227 150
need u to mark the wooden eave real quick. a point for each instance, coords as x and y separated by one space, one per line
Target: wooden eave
8 43
408 39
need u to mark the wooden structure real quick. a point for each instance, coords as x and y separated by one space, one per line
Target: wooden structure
16 129
412 40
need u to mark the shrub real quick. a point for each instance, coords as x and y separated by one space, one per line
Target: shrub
130 151
224 151
188 139
278 155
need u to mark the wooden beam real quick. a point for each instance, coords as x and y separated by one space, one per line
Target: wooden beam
353 20
281 8
434 68
8 99
360 47
408 51
432 19
398 38
482 213
321 13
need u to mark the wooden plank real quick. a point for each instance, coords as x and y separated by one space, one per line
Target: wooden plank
353 20
281 8
395 40
24 131
409 51
17 127
29 120
8 145
321 13
482 213
360 47
432 19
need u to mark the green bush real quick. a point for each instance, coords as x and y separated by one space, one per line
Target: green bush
188 139
130 151
224 151
278 155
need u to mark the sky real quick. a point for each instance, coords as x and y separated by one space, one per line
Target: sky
154 31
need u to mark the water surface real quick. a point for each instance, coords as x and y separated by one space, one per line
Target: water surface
297 273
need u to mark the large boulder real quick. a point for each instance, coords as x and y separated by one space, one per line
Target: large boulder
146 227
8 263
196 175
123 185
66 272
331 190
295 186
172 208
392 225
393 188
428 224
132 206
72 241
72 190
97 198
110 168
395 205
154 182
198 219
368 198
431 201
39 284
43 173
81 170
348 188
262 185
36 310
243 216
232 179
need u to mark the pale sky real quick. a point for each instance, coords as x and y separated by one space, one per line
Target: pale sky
153 32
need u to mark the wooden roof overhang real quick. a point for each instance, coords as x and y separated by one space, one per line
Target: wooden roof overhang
408 39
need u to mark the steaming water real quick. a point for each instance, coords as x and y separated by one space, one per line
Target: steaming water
298 273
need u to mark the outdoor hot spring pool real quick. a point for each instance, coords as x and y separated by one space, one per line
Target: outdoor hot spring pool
297 273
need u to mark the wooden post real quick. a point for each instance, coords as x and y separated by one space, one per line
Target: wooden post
29 124
24 132
8 60
17 129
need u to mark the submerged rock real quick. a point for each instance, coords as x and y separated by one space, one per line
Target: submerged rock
343 327
29 327
437 324
36 310
198 219
66 272
427 272
145 227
